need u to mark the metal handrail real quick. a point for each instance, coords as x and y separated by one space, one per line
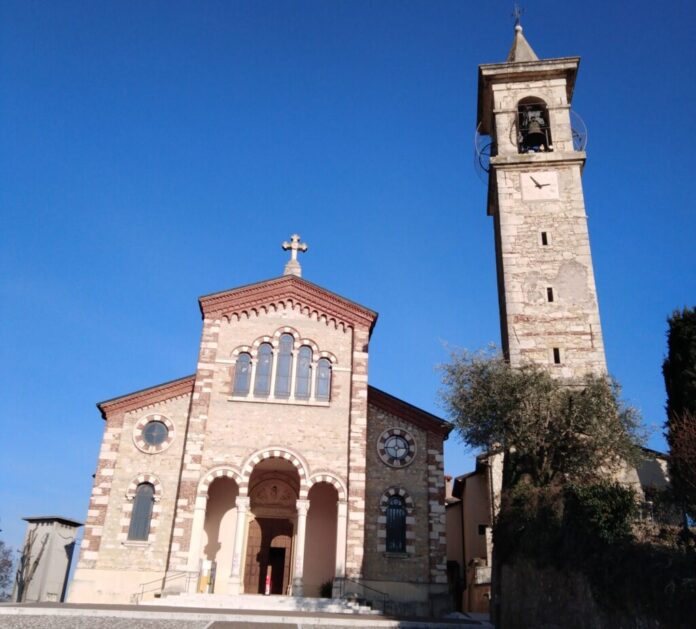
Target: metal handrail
160 584
384 595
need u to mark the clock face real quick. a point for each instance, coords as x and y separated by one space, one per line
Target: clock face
540 185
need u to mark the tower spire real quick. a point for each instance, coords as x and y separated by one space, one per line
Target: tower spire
520 50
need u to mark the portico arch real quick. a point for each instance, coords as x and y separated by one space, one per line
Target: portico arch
278 453
331 479
273 537
217 472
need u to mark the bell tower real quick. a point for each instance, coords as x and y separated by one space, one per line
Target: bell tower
534 159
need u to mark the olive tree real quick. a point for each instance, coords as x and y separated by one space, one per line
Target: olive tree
551 430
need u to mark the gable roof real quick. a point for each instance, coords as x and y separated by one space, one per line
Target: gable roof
417 416
288 289
145 397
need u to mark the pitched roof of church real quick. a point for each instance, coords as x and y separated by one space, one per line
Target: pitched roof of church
144 397
408 412
288 289
521 50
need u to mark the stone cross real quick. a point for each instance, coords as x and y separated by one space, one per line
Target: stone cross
293 266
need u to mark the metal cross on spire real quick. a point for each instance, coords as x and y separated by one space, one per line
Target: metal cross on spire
517 12
293 266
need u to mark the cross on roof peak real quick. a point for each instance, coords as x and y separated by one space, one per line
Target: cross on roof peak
293 265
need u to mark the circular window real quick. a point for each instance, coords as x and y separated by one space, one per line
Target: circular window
396 447
153 433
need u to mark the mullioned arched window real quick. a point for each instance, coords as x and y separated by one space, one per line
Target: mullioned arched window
323 383
284 367
242 374
264 367
303 376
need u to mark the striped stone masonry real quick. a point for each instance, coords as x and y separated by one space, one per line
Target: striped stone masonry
355 545
101 492
193 448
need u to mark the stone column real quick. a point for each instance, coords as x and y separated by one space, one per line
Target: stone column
194 558
302 508
240 533
340 572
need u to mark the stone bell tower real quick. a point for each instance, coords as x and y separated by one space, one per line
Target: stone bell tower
548 300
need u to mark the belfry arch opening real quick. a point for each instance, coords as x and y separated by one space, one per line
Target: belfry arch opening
533 126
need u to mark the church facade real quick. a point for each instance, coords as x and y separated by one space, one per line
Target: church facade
274 468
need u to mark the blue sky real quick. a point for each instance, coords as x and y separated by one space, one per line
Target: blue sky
152 152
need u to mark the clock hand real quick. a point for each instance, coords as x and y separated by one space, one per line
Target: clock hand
536 183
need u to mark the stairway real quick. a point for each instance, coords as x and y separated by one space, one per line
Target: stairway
258 602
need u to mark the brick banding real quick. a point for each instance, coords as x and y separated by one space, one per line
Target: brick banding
144 478
332 479
219 472
275 453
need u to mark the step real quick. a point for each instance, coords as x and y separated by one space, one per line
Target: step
258 602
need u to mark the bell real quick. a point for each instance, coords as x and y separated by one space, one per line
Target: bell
535 136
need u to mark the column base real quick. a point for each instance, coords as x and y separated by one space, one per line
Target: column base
337 588
235 586
297 589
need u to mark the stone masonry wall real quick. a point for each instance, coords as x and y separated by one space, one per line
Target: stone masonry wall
101 491
162 469
413 566
437 539
224 430
194 446
534 325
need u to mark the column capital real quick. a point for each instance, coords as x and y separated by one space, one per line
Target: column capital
242 503
302 506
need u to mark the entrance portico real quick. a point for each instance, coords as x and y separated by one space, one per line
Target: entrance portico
270 521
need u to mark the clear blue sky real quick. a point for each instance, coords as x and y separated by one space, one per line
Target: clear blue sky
152 152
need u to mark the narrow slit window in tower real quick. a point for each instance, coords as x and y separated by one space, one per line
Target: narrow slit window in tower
544 239
549 294
556 356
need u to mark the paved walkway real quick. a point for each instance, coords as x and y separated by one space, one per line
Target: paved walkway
66 616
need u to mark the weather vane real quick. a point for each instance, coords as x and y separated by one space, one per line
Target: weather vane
517 12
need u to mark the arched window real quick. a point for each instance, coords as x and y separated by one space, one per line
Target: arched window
304 372
323 384
284 369
262 383
396 525
533 128
141 515
242 374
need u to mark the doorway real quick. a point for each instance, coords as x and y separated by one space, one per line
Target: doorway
269 547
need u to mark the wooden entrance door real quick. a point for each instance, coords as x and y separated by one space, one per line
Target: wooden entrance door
266 534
